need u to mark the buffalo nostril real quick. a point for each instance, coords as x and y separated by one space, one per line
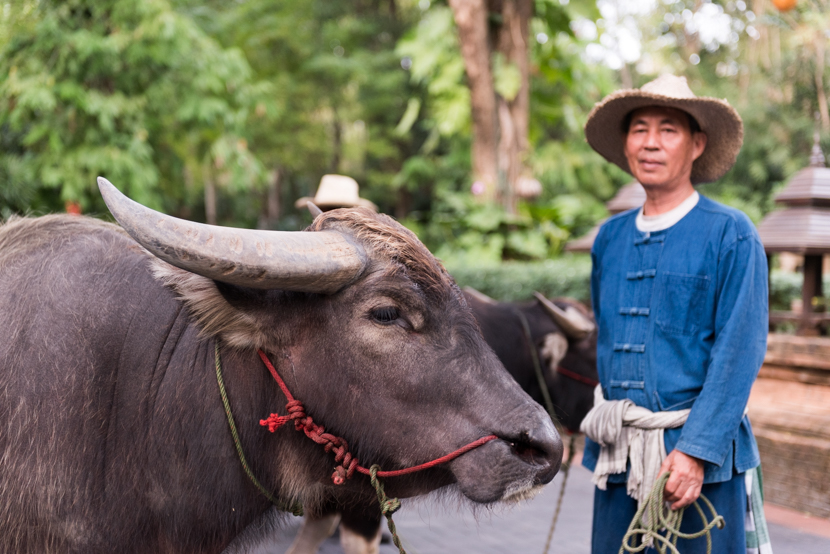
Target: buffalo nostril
539 447
528 450
528 453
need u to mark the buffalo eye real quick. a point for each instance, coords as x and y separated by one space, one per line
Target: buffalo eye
385 315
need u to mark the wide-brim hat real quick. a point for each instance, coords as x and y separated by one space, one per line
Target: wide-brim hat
336 191
721 123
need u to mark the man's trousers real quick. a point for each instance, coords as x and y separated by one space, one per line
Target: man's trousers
614 510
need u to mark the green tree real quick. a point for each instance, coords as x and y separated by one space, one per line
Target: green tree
339 92
129 90
575 181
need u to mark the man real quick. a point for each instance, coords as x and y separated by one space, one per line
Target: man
679 290
336 191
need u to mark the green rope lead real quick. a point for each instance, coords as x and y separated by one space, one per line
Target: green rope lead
658 519
537 368
565 471
388 506
295 508
540 377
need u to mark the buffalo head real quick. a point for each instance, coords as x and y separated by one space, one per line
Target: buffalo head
573 376
371 333
564 337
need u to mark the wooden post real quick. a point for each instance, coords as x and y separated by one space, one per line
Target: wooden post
811 289
769 289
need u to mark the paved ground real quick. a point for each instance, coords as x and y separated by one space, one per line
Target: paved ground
430 528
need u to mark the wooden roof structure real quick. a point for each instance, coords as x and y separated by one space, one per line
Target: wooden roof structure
809 187
802 230
803 226
586 241
631 196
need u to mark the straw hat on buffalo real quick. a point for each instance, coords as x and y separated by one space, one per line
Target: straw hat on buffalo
721 123
336 191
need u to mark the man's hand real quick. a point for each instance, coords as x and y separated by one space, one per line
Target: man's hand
683 486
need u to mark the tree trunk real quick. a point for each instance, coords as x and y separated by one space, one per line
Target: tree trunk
210 199
822 96
775 42
270 217
187 177
337 146
514 113
404 203
471 19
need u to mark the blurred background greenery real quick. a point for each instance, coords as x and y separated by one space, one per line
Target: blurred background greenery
227 112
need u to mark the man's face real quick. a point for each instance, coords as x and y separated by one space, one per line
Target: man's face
660 147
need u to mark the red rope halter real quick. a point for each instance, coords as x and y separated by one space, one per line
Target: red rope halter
346 463
576 376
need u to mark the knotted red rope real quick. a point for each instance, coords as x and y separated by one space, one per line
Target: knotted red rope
346 463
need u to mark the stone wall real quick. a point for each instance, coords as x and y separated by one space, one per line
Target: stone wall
790 413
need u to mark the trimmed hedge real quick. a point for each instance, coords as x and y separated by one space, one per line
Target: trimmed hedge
570 275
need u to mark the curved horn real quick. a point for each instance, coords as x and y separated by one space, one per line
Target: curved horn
322 262
572 322
313 209
478 295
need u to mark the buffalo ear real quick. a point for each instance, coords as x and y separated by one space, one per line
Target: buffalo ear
554 348
233 313
241 298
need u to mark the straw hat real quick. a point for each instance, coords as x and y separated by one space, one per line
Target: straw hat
336 191
721 123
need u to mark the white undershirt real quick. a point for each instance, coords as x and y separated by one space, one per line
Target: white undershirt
654 223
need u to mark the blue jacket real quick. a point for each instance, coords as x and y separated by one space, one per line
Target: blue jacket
683 321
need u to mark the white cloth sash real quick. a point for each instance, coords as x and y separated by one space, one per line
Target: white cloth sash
627 432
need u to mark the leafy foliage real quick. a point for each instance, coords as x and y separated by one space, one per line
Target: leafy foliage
129 90
784 288
265 96
463 230
567 275
576 181
570 274
342 101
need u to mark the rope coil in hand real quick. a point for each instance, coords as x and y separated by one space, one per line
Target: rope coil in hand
661 526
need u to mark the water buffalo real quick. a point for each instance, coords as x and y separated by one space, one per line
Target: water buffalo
562 337
114 437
